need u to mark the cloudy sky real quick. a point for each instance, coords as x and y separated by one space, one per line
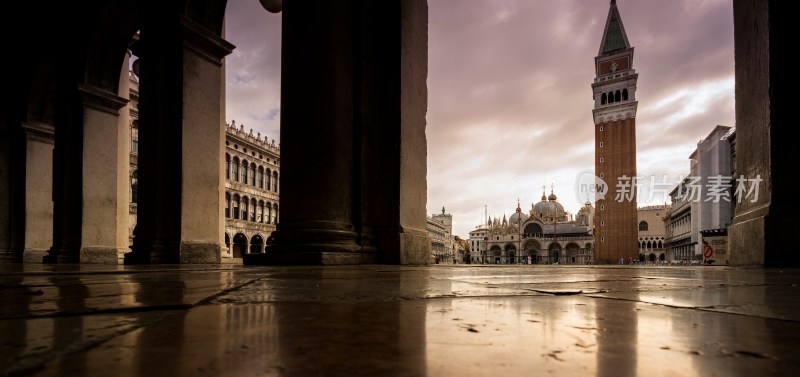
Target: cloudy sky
510 102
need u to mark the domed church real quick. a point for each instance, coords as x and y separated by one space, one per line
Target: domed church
547 234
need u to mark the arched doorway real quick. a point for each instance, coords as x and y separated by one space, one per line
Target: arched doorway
511 254
239 245
652 258
256 244
555 253
531 251
572 253
496 253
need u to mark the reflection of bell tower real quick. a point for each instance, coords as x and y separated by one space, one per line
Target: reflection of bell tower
614 90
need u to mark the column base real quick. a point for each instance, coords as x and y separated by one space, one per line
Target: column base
7 256
200 252
415 247
33 255
59 256
747 243
102 255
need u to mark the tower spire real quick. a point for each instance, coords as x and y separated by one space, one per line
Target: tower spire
614 36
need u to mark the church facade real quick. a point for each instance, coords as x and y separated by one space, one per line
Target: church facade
546 234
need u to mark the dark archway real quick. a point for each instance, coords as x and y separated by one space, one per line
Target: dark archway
239 245
256 244
533 230
555 253
572 250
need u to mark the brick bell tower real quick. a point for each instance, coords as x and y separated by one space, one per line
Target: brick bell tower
614 90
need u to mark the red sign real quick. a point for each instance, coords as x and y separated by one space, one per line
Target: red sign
708 251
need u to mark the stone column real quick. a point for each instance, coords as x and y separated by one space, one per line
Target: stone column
6 199
203 145
762 229
318 166
394 148
106 165
182 134
354 76
38 191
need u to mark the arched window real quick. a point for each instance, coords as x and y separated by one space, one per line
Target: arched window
260 211
268 178
617 96
252 174
245 207
253 206
275 220
261 177
643 226
603 99
235 166
660 245
227 166
236 206
269 213
244 171
624 94
610 97
227 205
275 181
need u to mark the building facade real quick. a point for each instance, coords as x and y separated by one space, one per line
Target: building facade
704 202
252 173
446 220
547 234
615 105
652 233
678 222
439 234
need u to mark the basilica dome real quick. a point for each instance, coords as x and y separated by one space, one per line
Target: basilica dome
548 207
514 219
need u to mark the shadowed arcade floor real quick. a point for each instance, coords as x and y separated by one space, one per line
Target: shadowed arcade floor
89 320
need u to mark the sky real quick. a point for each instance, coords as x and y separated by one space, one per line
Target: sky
510 100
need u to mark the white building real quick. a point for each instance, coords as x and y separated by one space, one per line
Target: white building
704 200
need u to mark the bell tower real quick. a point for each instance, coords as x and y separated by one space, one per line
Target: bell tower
614 93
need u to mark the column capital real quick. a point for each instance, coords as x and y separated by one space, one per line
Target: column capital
204 42
39 131
101 99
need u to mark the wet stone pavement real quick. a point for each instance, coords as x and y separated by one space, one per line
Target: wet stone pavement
88 320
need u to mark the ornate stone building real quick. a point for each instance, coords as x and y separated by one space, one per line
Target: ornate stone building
252 173
652 233
441 252
615 105
678 222
545 234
